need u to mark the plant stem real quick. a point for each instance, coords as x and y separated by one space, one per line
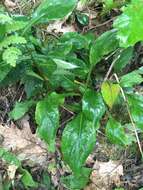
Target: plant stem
130 116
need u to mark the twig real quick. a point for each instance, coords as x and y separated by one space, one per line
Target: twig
102 24
130 116
110 68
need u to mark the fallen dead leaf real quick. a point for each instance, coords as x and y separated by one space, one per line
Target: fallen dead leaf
11 171
104 175
58 27
9 4
24 144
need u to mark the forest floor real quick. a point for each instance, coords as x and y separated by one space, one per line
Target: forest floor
125 165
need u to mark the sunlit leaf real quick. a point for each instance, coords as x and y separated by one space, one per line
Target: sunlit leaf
129 24
110 92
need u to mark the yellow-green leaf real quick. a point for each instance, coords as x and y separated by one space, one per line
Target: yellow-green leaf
110 92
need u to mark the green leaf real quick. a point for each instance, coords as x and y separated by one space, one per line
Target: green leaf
27 179
13 39
83 19
129 24
124 58
136 108
32 86
4 70
61 64
9 157
77 182
47 118
110 92
20 109
103 45
15 26
131 79
78 141
116 133
108 4
11 55
5 18
93 106
78 41
53 9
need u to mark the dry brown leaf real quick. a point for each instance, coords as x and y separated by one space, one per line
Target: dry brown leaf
9 4
58 27
11 171
24 144
104 175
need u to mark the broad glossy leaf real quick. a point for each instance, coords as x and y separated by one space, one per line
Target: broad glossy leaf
110 92
53 9
103 45
131 79
129 24
124 58
78 141
93 106
47 118
45 65
116 133
20 109
136 108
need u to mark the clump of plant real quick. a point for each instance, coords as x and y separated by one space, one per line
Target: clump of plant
51 72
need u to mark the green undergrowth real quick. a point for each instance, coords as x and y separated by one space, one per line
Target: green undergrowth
51 72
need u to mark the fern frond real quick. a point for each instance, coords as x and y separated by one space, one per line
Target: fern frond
15 26
11 55
13 39
4 18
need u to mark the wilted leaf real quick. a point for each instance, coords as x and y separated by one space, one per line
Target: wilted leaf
23 144
105 174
